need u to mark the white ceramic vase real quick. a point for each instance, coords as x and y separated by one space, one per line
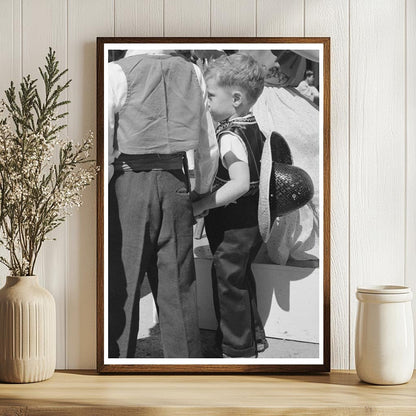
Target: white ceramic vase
384 341
27 331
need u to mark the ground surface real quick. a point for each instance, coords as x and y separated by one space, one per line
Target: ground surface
149 346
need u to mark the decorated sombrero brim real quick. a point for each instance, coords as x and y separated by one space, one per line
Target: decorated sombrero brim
283 187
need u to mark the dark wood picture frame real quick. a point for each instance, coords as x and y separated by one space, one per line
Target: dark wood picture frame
206 368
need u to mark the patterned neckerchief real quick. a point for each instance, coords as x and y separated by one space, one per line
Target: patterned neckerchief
227 123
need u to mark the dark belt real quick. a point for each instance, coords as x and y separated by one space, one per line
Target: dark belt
149 162
153 161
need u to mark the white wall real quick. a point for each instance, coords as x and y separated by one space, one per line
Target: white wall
373 132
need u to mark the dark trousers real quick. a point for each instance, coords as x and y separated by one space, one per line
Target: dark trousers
235 242
150 231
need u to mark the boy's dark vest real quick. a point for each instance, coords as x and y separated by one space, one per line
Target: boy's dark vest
247 129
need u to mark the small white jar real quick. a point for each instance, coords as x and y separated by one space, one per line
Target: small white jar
384 337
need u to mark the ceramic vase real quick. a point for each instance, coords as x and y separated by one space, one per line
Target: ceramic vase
27 331
384 342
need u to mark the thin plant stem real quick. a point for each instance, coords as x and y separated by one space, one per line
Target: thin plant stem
36 194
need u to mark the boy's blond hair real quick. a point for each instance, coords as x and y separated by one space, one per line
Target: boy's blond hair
240 70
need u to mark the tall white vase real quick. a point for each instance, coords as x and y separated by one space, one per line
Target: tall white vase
384 342
27 331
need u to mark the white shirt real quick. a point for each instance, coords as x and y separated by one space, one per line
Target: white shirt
231 143
308 91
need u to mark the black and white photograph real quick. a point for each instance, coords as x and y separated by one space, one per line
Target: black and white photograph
213 209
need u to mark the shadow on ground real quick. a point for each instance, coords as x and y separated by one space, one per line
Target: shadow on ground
150 346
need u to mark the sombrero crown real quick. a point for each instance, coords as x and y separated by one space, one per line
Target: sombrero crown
283 187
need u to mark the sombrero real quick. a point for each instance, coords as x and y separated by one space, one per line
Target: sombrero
283 187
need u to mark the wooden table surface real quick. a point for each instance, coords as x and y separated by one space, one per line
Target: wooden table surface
86 393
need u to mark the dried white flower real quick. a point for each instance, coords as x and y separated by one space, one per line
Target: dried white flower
42 175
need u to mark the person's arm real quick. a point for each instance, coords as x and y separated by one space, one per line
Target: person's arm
206 154
117 93
236 187
315 92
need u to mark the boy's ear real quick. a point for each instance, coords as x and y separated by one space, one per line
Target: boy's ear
237 98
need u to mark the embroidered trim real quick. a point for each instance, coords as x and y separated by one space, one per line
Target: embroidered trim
223 125
223 128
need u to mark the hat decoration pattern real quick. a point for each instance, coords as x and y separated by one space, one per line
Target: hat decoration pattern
290 186
284 187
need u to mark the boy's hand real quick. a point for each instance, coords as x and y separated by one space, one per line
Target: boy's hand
199 209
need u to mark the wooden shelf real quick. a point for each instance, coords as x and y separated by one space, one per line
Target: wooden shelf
86 393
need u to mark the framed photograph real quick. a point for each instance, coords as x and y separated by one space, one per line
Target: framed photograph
213 205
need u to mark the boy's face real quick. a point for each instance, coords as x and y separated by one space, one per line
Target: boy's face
220 100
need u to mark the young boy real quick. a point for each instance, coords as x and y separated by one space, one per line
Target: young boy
234 83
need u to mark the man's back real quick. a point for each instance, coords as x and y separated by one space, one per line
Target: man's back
163 108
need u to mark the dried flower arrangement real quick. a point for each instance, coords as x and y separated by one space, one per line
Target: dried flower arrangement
42 176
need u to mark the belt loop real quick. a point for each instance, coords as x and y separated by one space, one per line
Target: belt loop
186 169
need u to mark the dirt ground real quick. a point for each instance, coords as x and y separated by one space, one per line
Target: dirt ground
149 346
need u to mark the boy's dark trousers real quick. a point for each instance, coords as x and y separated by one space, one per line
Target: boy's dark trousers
235 242
150 230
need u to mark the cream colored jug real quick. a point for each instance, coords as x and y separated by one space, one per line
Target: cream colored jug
384 342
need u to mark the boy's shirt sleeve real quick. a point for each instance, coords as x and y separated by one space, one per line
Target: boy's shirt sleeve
206 153
117 93
232 143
